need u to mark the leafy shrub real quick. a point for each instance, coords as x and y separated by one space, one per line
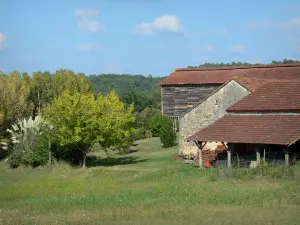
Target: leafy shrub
156 124
37 157
40 155
15 159
167 134
139 133
25 132
29 142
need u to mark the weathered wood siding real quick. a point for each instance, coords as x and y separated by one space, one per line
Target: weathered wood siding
176 100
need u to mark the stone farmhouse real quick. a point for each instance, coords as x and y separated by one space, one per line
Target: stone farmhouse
221 114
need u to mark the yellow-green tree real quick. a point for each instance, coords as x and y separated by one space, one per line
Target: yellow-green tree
14 100
81 120
46 86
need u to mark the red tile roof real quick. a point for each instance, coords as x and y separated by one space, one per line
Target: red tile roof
275 96
281 130
252 84
221 75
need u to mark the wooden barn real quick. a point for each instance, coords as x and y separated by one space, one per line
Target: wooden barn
185 88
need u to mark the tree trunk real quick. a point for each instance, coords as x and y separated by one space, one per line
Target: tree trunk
83 159
50 157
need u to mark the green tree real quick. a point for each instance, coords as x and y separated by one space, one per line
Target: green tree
205 65
167 134
14 100
143 122
143 119
140 90
46 86
81 120
156 122
27 137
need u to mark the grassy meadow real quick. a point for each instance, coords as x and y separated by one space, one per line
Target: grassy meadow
147 186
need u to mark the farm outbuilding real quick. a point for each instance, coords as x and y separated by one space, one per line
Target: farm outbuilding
199 97
264 122
207 112
186 87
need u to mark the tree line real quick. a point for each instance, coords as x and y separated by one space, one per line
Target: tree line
60 116
206 65
141 90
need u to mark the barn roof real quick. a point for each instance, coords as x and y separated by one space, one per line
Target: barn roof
253 129
220 75
275 96
251 84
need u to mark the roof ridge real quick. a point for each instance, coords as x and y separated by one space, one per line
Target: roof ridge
238 67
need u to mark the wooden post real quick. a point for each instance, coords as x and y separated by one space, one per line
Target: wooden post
229 150
286 156
238 159
257 156
200 158
264 154
229 156
200 154
200 148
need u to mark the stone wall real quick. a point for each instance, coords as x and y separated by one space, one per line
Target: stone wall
176 100
207 112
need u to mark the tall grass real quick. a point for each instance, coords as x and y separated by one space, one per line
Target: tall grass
146 187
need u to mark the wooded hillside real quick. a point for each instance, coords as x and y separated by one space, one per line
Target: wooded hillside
138 89
123 83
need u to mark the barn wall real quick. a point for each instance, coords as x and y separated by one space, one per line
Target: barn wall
176 100
207 112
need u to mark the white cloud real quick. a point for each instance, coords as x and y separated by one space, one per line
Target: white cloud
87 47
238 48
92 26
164 23
208 48
2 40
87 20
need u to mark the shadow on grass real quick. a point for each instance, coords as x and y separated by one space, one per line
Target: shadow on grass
93 161
132 151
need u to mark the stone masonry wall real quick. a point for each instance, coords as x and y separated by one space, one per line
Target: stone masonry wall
207 112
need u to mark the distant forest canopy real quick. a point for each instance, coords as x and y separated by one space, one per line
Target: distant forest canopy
141 90
122 83
206 65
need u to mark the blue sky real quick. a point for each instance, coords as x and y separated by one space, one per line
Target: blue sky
144 36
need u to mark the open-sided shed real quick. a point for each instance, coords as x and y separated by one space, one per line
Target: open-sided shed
268 116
